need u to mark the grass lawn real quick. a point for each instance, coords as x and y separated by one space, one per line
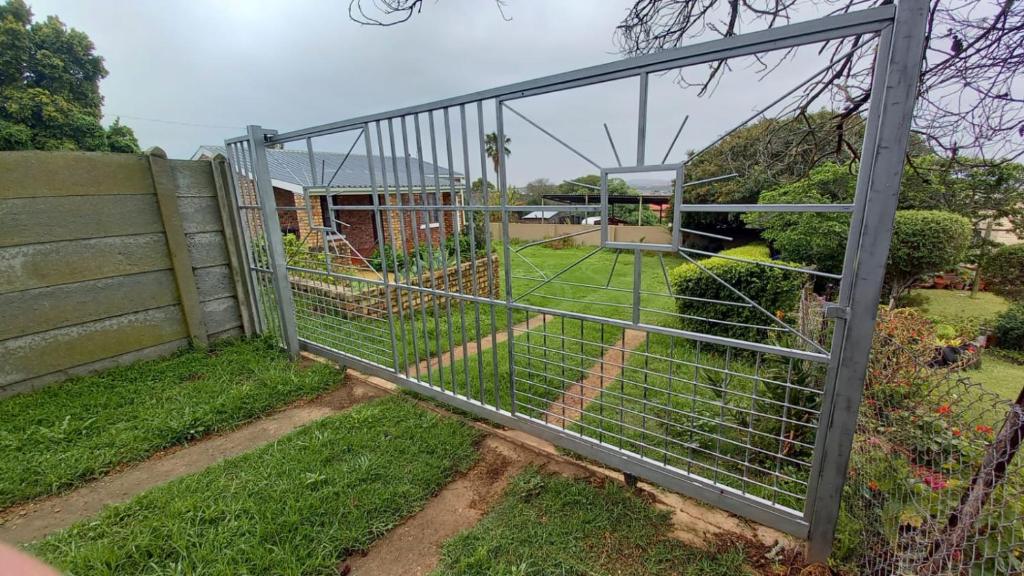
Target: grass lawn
952 305
996 374
554 525
60 436
297 506
553 356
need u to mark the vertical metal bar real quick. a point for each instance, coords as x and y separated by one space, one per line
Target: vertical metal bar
638 258
641 127
275 242
444 251
677 214
467 184
419 266
893 94
487 238
458 257
312 163
380 236
234 163
503 192
405 252
394 257
429 232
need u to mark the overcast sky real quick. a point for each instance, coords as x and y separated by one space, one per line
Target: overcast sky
204 70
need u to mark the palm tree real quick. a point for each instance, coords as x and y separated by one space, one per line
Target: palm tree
491 149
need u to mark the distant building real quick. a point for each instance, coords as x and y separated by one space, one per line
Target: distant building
349 184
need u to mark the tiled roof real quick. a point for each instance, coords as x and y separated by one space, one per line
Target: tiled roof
292 166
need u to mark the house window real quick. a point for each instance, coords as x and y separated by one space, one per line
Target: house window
431 217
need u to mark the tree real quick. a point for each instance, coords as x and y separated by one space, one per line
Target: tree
537 189
763 155
924 241
816 239
1004 270
968 99
49 87
491 149
970 187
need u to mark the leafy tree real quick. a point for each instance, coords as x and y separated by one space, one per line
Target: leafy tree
49 87
1004 271
121 138
817 239
923 240
616 187
537 189
491 149
970 187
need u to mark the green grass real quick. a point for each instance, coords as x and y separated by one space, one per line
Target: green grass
957 305
999 376
550 525
552 356
60 436
297 506
699 419
996 374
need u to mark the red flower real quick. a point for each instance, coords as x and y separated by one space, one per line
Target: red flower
956 432
873 486
944 409
982 429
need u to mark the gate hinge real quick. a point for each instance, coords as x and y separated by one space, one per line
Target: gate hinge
836 311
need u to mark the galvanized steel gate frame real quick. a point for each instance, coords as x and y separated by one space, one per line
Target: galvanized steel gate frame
900 32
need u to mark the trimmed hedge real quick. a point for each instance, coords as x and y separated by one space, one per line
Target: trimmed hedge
1009 328
1003 272
775 290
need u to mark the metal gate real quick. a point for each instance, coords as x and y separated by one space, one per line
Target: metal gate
392 260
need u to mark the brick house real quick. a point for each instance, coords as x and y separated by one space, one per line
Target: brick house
350 232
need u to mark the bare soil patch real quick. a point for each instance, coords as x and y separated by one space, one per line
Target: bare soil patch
569 407
413 548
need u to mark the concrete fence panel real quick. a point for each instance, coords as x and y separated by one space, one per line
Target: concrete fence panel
108 258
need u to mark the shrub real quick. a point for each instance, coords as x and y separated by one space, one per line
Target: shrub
775 290
812 238
924 241
1003 272
1009 328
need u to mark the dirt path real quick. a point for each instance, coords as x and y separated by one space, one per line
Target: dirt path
444 359
413 548
569 407
36 519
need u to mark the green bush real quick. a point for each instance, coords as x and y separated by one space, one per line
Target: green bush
1009 328
1003 272
775 290
812 238
924 241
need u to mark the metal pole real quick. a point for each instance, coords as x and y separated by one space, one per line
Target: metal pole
275 241
893 95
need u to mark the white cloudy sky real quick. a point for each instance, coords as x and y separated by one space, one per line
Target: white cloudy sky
207 69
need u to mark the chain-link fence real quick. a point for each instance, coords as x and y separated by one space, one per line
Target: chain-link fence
933 486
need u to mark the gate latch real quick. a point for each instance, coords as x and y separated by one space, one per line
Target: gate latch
836 311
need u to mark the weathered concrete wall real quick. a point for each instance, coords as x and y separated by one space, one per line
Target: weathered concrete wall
529 232
107 258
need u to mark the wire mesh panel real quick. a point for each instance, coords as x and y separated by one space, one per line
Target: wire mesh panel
712 371
257 256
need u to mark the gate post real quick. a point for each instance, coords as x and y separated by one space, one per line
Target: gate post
275 241
893 95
